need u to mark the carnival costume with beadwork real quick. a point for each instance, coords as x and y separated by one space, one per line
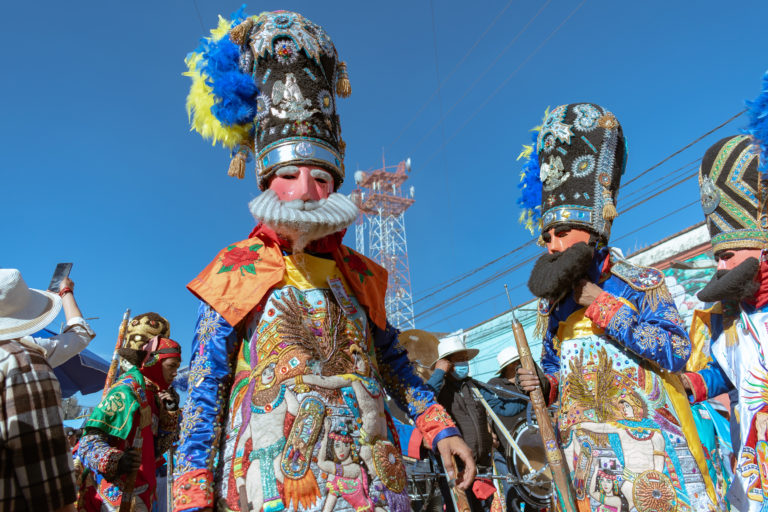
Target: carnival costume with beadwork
621 410
131 415
292 352
734 337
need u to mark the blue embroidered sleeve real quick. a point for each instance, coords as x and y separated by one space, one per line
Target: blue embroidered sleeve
550 358
407 389
657 334
502 406
209 379
715 379
437 380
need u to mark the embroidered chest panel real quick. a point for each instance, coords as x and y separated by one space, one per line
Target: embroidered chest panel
621 423
308 428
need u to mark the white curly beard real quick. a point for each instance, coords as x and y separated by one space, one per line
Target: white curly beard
302 222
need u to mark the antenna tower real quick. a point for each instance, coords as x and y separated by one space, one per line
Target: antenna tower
382 209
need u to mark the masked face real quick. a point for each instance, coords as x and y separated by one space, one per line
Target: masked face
559 239
303 183
555 274
460 370
734 279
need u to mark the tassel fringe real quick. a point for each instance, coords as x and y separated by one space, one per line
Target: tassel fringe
301 491
238 34
237 165
343 87
656 296
542 321
609 209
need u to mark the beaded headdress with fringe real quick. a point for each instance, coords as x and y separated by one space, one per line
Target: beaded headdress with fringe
265 86
573 170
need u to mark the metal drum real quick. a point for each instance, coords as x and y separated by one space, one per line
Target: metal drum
534 488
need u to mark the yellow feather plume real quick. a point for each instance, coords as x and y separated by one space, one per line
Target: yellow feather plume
200 100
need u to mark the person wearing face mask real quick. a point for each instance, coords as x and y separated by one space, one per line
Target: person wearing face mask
732 333
453 387
128 432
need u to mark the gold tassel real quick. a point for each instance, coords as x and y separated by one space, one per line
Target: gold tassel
343 87
609 209
542 321
656 296
237 165
342 147
238 34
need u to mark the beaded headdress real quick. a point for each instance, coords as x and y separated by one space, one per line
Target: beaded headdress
573 170
265 86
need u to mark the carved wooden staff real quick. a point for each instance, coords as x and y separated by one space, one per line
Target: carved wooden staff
555 457
115 356
458 496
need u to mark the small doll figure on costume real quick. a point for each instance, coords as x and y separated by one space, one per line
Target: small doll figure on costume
128 432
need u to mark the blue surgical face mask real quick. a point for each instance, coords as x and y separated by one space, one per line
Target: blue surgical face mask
460 370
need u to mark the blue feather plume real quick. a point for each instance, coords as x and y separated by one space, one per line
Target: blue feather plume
530 186
234 91
757 111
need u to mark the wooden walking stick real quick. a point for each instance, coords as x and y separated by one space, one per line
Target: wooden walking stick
555 457
115 356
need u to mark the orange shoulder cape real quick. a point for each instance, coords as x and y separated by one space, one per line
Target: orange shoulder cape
242 274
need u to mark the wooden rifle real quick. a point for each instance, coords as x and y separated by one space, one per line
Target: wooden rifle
560 473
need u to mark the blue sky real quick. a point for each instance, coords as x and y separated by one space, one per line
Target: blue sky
101 169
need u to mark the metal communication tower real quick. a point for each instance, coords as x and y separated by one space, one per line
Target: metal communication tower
382 206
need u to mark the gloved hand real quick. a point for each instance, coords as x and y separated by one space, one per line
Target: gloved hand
129 462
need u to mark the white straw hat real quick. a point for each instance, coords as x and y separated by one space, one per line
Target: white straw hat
506 357
452 344
23 310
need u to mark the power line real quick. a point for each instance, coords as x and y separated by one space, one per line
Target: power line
503 84
477 80
498 274
672 174
698 139
451 73
199 17
696 201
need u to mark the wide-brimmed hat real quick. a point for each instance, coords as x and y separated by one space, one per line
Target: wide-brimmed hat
24 310
453 344
506 357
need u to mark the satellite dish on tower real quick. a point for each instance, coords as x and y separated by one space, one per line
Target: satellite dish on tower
408 164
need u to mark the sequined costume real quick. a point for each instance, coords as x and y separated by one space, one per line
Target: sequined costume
621 410
127 416
733 335
303 362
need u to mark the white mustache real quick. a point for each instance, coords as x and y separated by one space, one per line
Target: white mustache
299 204
304 221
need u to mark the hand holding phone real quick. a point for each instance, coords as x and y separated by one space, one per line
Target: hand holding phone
62 272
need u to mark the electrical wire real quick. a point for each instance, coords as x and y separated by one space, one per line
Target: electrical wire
451 73
698 139
502 85
479 78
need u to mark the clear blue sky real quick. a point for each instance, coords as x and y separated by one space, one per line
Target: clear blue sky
100 167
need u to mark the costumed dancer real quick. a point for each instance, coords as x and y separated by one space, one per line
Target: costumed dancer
292 350
128 432
733 333
611 332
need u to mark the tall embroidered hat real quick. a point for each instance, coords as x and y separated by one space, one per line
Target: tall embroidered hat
573 170
733 195
266 86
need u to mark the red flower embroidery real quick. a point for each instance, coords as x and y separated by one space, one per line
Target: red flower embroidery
358 265
240 258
